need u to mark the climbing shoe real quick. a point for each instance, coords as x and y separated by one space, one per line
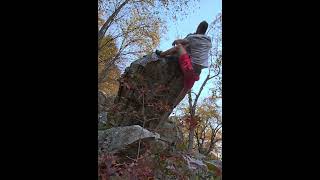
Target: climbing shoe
158 52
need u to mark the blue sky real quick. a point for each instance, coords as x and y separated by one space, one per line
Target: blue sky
207 11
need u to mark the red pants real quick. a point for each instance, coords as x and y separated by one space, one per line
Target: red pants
189 75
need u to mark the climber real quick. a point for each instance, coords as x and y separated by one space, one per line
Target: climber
193 53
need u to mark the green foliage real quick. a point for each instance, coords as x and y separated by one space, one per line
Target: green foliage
106 54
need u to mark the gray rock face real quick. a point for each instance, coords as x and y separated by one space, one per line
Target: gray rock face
148 88
102 119
117 138
170 132
146 59
102 99
194 163
158 146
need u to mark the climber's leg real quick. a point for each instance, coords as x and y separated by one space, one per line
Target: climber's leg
189 76
176 49
187 70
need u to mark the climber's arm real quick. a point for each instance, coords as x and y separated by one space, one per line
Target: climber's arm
180 41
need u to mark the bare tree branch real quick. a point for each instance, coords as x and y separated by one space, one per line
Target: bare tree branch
213 141
203 134
191 131
202 86
114 37
108 22
198 140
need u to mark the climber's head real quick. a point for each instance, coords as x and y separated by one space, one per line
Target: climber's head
202 27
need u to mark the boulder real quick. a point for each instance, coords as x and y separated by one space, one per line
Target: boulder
117 138
148 89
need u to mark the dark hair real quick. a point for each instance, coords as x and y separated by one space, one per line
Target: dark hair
202 27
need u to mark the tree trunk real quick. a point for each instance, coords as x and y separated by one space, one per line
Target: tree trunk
192 127
108 22
191 136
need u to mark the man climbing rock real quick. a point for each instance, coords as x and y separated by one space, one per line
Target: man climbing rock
193 54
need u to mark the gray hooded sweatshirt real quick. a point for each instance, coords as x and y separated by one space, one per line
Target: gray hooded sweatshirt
198 50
